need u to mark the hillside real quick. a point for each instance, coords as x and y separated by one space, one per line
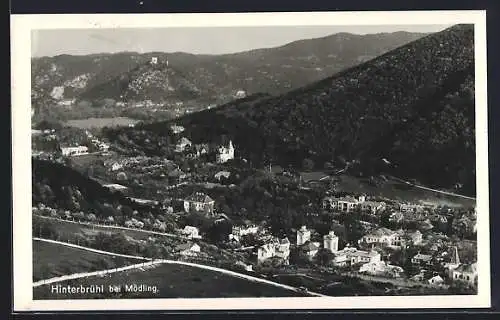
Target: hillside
129 75
413 105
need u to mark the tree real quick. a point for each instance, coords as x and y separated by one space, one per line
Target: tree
324 257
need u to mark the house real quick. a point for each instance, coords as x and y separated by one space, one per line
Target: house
422 259
381 268
414 237
116 166
384 236
188 249
265 252
465 273
224 153
222 174
191 232
411 207
396 217
352 256
282 249
244 230
176 176
177 129
331 242
154 60
182 144
436 280
240 94
372 206
343 204
115 187
199 202
74 151
303 235
310 249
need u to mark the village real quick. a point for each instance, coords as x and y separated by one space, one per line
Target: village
365 236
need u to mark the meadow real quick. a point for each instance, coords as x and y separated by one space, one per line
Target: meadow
53 260
172 281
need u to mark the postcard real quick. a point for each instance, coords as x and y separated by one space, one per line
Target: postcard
236 161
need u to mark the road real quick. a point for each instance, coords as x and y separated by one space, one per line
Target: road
114 227
159 261
433 190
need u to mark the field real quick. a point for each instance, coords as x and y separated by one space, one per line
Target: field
399 191
172 281
101 122
53 260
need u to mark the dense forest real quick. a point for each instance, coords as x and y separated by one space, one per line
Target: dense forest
413 106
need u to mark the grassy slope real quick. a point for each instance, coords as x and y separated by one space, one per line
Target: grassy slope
53 260
177 281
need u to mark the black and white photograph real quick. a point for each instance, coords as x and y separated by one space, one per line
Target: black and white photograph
278 160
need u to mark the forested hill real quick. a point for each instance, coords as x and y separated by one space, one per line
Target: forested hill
62 187
413 106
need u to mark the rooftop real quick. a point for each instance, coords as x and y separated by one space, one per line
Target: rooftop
199 197
467 268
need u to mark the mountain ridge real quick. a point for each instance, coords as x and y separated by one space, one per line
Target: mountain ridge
345 115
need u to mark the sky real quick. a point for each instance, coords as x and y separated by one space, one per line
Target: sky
214 40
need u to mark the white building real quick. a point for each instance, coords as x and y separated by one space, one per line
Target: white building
265 252
188 249
465 273
74 151
352 256
240 94
383 236
154 60
436 280
372 206
183 144
282 249
311 249
303 235
177 129
199 202
331 242
344 204
191 232
225 153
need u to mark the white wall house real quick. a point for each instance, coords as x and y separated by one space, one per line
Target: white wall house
343 204
74 151
188 249
465 273
199 202
331 242
191 232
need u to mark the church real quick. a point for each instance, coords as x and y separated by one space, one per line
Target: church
225 154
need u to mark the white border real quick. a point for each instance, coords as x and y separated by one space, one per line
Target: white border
21 27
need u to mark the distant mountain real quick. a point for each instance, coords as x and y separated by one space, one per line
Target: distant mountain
205 78
413 106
